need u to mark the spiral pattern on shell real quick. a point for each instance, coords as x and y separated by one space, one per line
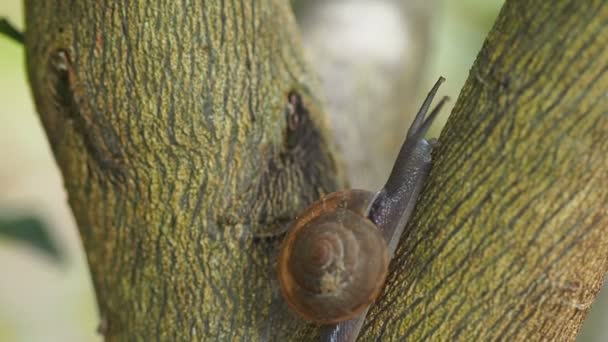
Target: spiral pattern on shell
334 261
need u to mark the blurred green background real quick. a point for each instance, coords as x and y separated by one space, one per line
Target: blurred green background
42 298
49 296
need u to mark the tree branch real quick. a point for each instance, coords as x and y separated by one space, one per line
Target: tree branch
7 29
188 136
510 237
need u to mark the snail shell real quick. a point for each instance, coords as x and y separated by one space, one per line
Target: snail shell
334 261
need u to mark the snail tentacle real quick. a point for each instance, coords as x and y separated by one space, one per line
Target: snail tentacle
334 260
391 208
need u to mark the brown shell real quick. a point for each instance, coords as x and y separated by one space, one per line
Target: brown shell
334 261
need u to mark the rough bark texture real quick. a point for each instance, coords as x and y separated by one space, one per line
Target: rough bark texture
171 124
510 237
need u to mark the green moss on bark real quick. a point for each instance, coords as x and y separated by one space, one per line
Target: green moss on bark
169 123
510 237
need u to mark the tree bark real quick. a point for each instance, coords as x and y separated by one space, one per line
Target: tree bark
185 151
510 236
182 156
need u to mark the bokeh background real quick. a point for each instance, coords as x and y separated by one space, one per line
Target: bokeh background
48 296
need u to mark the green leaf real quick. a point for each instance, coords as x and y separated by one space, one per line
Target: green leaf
7 29
31 231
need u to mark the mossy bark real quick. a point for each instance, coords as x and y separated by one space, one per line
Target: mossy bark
510 237
184 156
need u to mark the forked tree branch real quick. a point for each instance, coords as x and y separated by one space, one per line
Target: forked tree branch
184 159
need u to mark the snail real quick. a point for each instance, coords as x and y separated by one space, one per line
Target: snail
320 269
334 260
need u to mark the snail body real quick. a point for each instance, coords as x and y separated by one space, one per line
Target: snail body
334 261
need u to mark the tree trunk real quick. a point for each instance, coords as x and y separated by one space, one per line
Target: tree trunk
510 236
182 155
189 135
